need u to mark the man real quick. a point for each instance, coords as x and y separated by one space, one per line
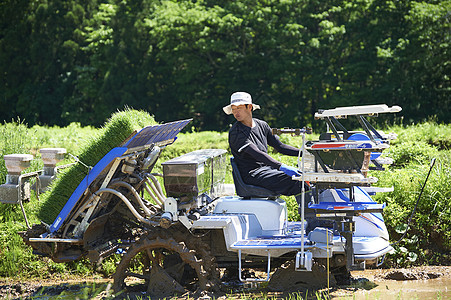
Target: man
249 139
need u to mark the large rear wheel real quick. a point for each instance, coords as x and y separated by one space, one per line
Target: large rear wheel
162 267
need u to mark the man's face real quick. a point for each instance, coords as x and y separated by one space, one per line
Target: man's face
241 112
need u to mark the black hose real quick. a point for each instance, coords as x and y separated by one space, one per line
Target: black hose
416 204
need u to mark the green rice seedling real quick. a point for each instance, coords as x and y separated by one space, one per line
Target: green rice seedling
118 128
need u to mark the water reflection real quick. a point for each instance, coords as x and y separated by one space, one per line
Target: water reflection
378 288
437 289
409 289
73 291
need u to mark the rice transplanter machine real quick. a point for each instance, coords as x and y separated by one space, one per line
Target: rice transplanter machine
186 230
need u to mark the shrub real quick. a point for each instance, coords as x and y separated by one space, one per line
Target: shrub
412 152
429 237
437 135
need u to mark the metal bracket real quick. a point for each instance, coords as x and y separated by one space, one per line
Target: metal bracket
253 279
304 261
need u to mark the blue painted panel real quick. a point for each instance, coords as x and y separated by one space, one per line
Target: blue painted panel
347 206
84 184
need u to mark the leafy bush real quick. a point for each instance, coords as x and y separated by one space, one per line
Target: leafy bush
429 237
438 135
412 152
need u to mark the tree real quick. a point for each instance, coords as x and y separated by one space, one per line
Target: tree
82 60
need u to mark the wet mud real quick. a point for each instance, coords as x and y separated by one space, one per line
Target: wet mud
428 282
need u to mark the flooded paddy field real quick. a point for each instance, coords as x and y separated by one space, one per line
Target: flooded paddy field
432 282
429 282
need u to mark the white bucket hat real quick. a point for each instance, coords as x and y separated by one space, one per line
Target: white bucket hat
239 98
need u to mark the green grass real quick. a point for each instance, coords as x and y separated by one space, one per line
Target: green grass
438 135
72 137
14 138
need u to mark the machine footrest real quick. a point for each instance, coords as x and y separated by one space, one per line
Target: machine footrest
271 243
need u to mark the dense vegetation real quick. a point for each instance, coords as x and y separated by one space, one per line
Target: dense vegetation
80 60
426 242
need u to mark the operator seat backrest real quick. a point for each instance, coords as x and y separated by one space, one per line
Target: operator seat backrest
248 190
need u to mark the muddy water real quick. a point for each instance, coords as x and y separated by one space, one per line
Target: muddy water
416 289
400 284
374 285
436 289
391 289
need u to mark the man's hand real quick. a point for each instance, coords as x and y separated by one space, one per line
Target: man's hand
290 171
